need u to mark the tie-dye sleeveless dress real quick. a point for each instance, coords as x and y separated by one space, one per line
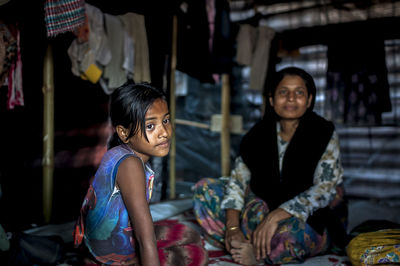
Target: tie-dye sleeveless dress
106 225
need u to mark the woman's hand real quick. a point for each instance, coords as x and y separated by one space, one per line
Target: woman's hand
232 231
230 235
265 231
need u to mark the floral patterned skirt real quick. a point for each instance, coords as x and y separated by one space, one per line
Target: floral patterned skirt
294 240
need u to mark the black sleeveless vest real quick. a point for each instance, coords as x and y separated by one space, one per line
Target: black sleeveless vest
259 151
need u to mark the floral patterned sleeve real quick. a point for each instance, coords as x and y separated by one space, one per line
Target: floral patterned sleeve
236 186
328 175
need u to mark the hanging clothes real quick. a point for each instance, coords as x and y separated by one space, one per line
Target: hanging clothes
223 42
134 25
129 55
193 54
245 39
8 51
15 91
63 15
204 43
89 52
253 50
210 7
11 66
357 84
114 74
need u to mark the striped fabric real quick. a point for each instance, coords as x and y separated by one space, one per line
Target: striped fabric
63 15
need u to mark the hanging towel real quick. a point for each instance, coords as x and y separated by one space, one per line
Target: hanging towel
253 50
129 55
97 35
246 39
114 74
134 25
259 64
63 15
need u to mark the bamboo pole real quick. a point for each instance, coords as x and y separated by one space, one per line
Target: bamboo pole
225 126
48 133
172 110
192 123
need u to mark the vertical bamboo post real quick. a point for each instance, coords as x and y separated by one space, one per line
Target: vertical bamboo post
48 133
225 126
172 107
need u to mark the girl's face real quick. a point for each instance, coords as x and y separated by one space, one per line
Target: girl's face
291 98
158 130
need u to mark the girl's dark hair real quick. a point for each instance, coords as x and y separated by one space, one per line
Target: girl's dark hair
294 71
128 107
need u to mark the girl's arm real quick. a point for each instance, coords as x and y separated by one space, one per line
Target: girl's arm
131 182
328 175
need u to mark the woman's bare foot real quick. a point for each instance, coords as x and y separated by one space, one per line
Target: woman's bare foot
243 253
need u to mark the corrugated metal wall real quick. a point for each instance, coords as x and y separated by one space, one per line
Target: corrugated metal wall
370 154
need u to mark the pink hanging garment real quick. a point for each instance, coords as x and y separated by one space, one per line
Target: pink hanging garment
15 92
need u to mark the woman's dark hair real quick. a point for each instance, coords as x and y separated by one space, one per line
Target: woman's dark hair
294 71
128 107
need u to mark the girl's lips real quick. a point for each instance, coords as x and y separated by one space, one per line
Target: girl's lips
163 144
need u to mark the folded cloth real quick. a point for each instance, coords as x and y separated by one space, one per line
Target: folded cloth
375 248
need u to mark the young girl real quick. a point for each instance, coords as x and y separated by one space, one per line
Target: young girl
115 220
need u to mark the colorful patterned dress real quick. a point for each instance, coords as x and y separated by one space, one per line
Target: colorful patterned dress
294 239
106 225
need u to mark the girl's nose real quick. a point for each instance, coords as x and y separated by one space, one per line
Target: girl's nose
163 132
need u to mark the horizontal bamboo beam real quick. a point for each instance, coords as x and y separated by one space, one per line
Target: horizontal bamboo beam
192 123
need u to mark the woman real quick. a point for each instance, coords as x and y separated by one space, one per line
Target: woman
284 199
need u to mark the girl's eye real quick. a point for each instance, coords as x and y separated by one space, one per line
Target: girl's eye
149 126
300 92
166 121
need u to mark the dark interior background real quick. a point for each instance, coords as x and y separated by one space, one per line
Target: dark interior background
81 108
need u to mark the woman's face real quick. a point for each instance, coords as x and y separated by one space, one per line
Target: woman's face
291 99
